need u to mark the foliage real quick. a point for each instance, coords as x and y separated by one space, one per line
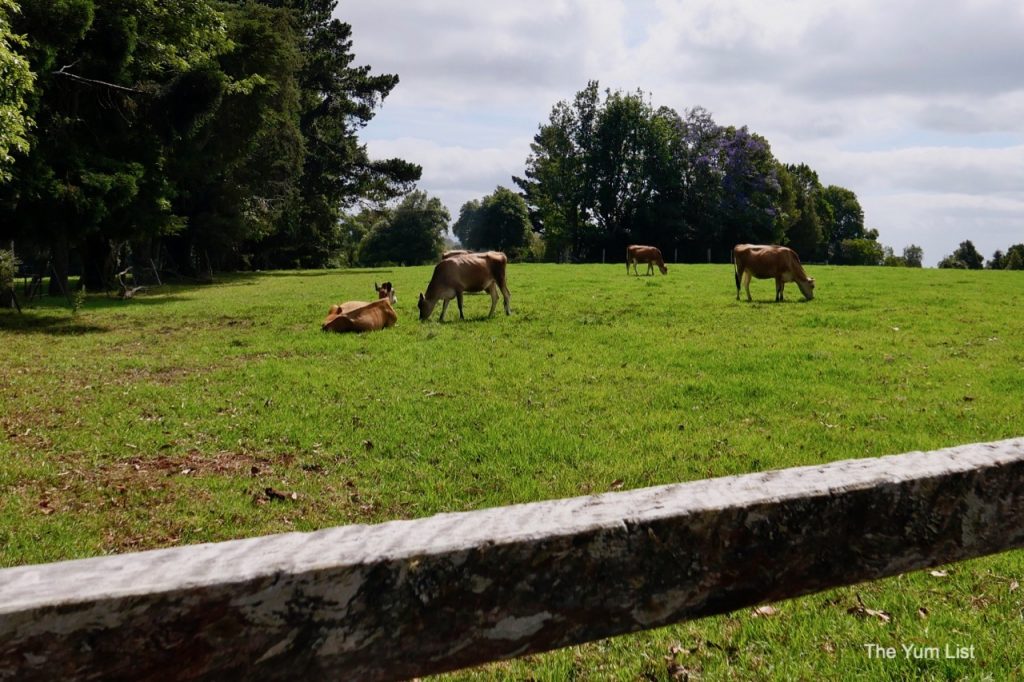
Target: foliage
847 220
966 257
337 100
410 234
890 259
606 172
913 256
15 87
1013 259
860 251
219 134
500 221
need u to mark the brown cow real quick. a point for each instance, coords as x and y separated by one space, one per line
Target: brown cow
365 318
636 253
454 252
383 291
764 262
466 272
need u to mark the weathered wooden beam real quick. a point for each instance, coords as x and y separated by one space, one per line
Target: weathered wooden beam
409 598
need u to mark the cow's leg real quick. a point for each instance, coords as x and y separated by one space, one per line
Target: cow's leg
779 285
650 268
746 284
737 273
458 297
444 308
506 298
493 291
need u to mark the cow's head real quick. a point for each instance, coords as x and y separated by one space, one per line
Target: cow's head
336 322
386 291
426 307
807 288
663 268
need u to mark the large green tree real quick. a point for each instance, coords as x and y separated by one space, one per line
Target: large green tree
337 99
847 220
500 221
966 257
410 234
239 167
106 107
15 85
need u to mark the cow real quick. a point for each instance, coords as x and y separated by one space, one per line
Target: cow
383 291
636 253
466 272
454 252
764 262
365 318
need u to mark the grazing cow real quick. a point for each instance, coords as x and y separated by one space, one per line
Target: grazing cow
635 253
365 318
466 272
765 262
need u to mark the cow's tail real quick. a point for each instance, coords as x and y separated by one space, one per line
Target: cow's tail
735 271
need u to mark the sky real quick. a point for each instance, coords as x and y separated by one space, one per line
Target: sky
917 106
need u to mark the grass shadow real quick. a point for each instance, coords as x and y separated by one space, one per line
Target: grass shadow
50 325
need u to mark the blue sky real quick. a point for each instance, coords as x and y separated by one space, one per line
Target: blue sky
916 106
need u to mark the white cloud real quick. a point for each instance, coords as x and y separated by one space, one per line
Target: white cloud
917 107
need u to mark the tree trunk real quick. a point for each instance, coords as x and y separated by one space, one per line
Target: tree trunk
59 259
98 264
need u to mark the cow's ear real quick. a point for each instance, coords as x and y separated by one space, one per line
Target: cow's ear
421 295
375 285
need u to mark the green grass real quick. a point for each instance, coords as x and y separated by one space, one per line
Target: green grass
162 421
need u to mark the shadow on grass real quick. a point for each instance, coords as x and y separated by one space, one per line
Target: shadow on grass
50 325
322 273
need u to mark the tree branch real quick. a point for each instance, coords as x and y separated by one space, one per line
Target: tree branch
62 71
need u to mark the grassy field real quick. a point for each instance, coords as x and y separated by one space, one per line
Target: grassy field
163 421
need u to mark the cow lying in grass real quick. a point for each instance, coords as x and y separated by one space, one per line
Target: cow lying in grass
360 316
765 262
460 273
636 253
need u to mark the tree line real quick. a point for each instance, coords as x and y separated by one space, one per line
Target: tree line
967 257
207 134
606 171
223 134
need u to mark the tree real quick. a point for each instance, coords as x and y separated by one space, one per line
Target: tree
15 86
861 251
337 100
805 234
750 191
1015 257
500 222
965 257
106 107
468 223
890 259
410 234
847 219
239 166
913 256
557 186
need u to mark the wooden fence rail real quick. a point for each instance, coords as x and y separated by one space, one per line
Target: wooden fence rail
409 598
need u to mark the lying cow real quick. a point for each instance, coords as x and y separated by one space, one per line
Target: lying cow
636 253
383 291
466 272
367 317
765 262
343 317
